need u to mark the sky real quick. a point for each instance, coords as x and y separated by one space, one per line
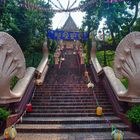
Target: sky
60 18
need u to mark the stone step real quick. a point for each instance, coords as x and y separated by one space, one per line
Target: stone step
69 109
41 106
68 94
69 103
75 136
68 86
68 97
72 120
69 128
69 90
69 100
62 85
66 114
64 89
57 110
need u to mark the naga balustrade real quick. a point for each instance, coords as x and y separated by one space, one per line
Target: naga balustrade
12 63
126 64
42 69
96 67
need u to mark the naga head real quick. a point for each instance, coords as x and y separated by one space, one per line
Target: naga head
127 63
12 62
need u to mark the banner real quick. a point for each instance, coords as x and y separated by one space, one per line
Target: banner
63 35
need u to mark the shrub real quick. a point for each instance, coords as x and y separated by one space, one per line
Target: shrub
133 114
3 114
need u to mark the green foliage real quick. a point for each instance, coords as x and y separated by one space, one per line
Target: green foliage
119 19
26 26
51 59
137 25
33 58
124 82
133 114
4 114
13 82
109 56
110 59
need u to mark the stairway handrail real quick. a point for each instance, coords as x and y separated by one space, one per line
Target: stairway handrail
100 74
17 99
42 69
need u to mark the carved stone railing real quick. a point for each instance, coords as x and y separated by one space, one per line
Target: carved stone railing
118 88
42 69
12 63
96 67
127 64
18 108
113 86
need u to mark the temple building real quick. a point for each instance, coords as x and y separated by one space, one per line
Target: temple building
70 26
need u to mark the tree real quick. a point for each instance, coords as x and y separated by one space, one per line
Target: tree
26 25
119 19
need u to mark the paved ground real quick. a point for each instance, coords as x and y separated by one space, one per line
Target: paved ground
87 136
59 137
72 136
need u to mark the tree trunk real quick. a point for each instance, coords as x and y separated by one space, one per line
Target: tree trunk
113 38
135 18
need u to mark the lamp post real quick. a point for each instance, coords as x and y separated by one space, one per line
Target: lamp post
103 31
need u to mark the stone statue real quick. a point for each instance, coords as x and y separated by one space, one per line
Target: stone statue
127 64
12 63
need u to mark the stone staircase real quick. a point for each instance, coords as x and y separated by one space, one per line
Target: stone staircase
64 108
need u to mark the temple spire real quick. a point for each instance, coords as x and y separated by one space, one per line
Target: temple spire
70 25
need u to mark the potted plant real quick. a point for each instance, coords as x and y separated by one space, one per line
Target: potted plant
133 116
3 117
